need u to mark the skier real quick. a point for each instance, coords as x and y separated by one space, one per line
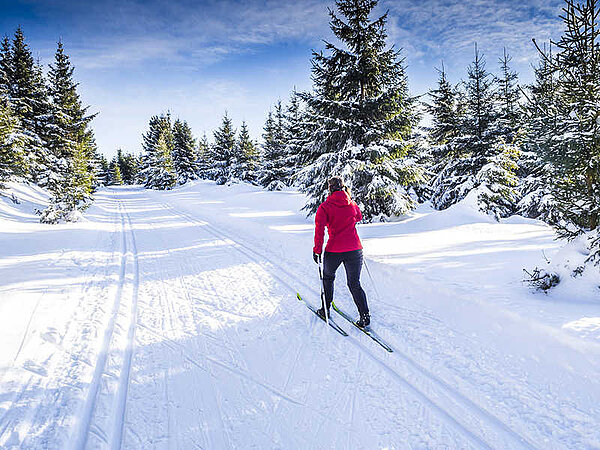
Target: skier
340 214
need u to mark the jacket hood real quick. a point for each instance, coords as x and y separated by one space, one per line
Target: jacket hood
339 198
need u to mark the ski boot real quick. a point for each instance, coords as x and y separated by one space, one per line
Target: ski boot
321 313
364 321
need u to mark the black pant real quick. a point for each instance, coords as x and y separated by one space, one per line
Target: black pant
353 264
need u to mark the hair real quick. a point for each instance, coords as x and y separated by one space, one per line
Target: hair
336 184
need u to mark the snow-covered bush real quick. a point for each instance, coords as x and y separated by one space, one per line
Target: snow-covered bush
541 280
497 181
276 185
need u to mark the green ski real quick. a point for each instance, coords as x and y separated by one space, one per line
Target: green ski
367 330
332 324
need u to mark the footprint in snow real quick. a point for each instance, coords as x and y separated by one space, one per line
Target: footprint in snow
51 335
35 368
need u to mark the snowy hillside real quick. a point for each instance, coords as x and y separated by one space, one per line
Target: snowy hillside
169 320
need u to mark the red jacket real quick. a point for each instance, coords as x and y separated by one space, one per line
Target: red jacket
339 214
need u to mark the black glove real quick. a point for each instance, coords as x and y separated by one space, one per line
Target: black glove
317 257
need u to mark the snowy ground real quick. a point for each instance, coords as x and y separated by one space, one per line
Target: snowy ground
168 320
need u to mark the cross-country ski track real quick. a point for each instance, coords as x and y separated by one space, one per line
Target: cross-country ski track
169 320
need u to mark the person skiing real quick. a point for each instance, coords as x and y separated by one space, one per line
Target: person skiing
340 214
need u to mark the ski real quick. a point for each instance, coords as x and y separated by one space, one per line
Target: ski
367 330
332 324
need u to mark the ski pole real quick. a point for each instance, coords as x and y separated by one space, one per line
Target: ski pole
323 302
372 281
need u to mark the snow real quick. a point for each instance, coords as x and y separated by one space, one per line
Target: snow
167 319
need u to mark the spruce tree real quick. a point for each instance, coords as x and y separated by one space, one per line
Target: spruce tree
245 161
6 71
73 193
508 96
29 100
569 132
101 170
12 158
70 141
115 172
81 179
480 124
204 161
295 132
536 199
158 170
23 79
497 181
162 174
223 151
360 116
185 154
445 108
128 166
445 114
275 171
69 119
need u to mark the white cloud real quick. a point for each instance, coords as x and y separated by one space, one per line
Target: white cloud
447 29
128 33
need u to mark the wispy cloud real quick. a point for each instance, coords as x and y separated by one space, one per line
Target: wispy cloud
128 33
448 28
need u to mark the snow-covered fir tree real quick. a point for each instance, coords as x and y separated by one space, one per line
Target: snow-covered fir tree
481 158
185 156
445 108
128 165
497 181
568 132
480 124
204 161
536 199
295 134
70 141
158 170
162 172
361 116
101 168
222 151
445 111
245 161
115 172
28 97
508 97
12 158
5 68
275 171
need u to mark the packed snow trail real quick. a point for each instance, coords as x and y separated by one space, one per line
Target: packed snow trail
261 300
169 320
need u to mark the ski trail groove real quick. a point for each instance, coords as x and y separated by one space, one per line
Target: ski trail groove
247 249
120 373
85 423
123 388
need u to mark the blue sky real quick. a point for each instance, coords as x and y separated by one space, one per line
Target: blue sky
197 59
